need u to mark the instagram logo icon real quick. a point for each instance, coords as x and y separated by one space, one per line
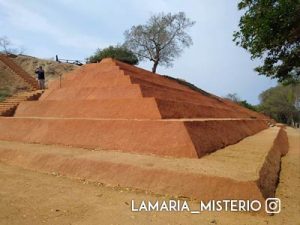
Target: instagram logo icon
273 205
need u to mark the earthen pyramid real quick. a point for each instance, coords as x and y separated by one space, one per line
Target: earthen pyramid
115 106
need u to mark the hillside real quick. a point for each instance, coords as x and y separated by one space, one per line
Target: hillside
52 68
11 84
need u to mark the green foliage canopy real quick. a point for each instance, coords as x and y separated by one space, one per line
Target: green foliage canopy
118 52
282 103
270 29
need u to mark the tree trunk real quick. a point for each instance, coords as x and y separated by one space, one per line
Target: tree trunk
155 64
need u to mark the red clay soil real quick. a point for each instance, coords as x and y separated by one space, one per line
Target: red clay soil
223 133
269 173
159 176
112 79
104 108
190 139
112 105
119 107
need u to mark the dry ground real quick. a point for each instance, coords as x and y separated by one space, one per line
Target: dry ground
10 83
52 68
28 197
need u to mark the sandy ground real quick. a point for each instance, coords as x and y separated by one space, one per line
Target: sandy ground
28 197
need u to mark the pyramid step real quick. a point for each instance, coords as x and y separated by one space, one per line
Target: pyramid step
147 76
176 138
8 103
112 108
99 72
14 100
202 179
133 108
8 107
138 91
126 135
98 81
85 93
194 98
125 92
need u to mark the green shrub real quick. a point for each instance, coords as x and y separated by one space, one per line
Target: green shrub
118 52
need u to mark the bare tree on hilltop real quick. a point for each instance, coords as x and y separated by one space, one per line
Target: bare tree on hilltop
6 47
161 39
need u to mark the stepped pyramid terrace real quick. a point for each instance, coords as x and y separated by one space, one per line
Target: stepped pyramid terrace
118 124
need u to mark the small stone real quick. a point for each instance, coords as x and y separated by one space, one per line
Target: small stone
213 221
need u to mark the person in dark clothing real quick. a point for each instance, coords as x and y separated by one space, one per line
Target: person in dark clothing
41 77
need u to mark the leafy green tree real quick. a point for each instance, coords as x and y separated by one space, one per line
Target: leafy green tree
161 39
270 29
248 105
282 103
120 53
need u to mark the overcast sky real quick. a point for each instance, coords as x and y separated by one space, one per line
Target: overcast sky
75 29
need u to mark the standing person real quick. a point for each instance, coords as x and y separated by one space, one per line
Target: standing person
41 77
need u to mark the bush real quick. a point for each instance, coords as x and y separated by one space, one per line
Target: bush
119 53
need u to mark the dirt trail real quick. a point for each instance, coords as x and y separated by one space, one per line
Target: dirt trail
28 197
289 186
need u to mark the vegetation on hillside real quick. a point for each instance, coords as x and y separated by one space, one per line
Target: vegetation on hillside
282 103
10 83
52 68
235 98
118 52
270 29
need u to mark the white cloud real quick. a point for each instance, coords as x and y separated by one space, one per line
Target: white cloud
26 19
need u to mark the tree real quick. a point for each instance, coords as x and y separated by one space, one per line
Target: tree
120 53
247 105
270 29
235 98
5 45
282 103
161 39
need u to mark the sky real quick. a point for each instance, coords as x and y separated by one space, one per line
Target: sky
74 29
